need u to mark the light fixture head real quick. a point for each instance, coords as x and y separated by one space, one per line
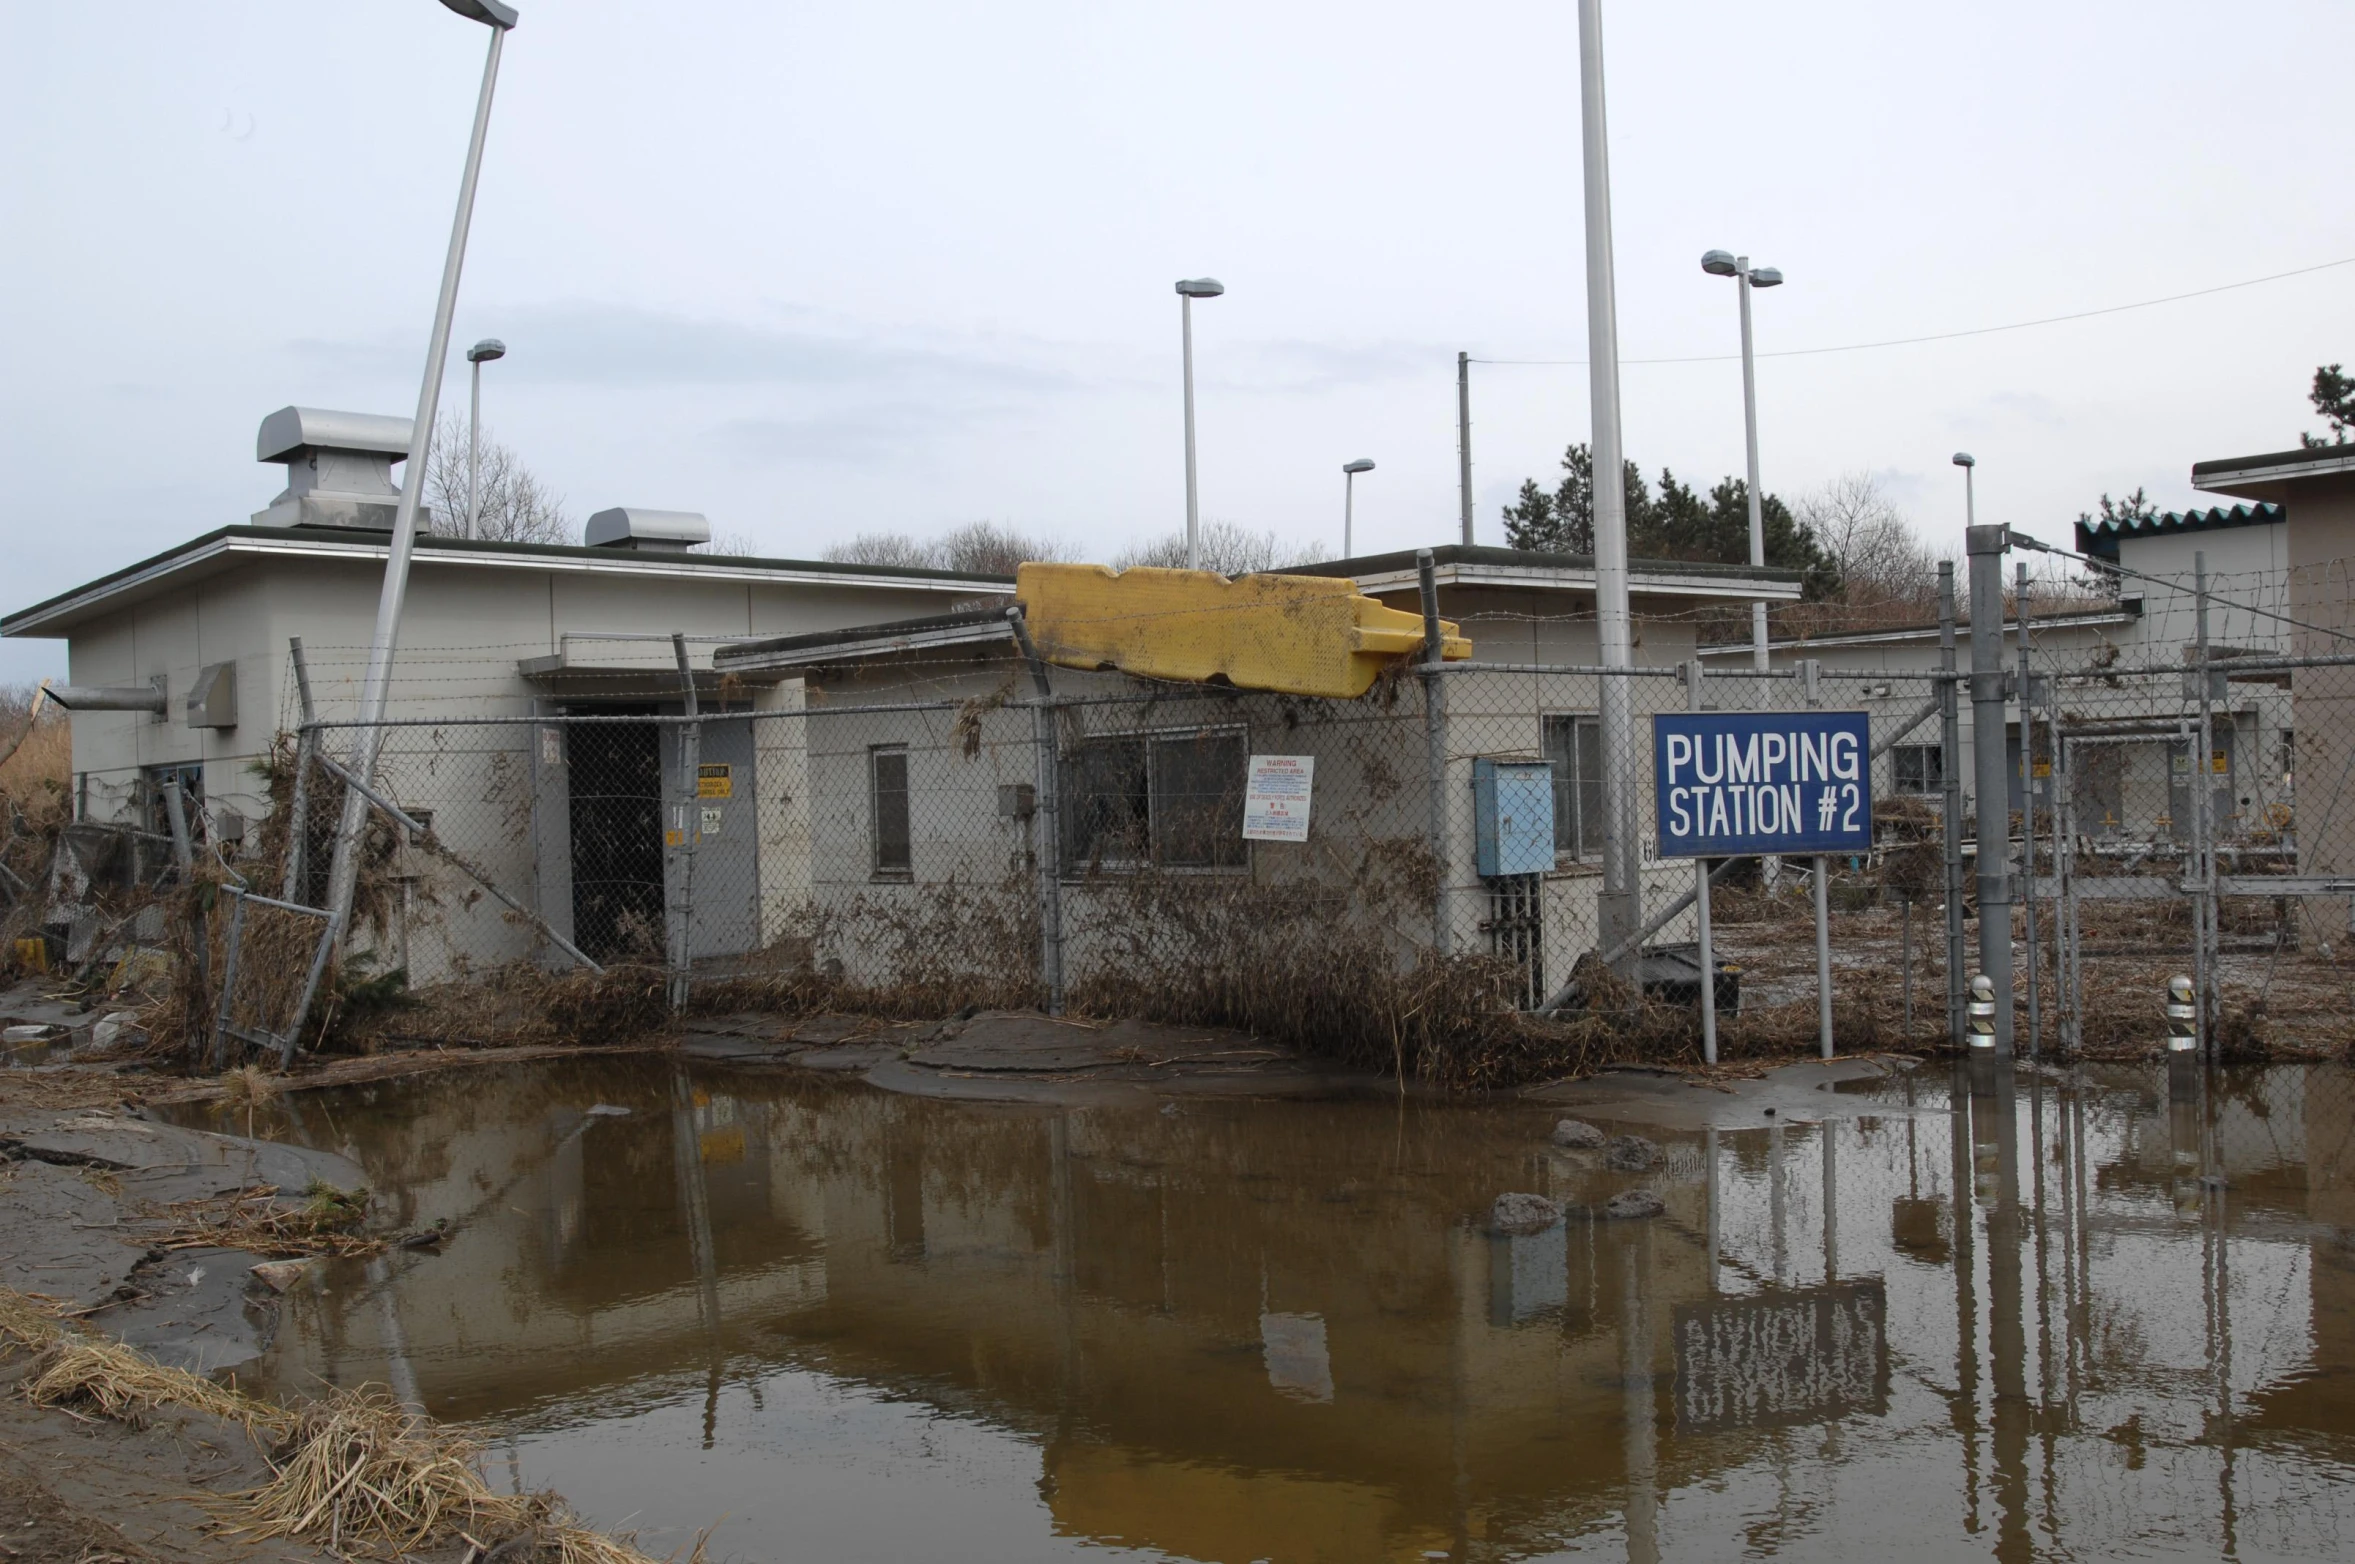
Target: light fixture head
1965 459
1766 277
486 350
1720 263
1201 287
488 12
1360 465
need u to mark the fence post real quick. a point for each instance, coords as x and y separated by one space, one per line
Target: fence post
1708 951
1811 687
1950 799
1049 859
298 813
1435 753
1992 778
2205 951
2028 809
689 818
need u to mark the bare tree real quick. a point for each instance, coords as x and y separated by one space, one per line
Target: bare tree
1888 574
736 545
984 548
1226 548
517 507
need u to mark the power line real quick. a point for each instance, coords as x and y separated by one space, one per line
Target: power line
1949 336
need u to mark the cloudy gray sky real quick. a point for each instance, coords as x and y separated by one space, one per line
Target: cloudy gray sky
816 270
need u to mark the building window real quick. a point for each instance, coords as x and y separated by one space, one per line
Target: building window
1917 768
1574 747
1171 800
888 774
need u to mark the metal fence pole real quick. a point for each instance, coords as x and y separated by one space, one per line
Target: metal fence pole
1811 682
688 822
1991 776
2205 951
1435 754
306 744
2028 810
1708 951
2063 814
1950 800
1049 858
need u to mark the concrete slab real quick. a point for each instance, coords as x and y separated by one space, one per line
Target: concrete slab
58 1234
1806 1092
165 1163
198 1311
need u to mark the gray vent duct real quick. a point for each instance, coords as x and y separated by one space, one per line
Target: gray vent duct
338 468
627 526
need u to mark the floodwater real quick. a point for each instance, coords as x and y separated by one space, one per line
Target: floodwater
839 1324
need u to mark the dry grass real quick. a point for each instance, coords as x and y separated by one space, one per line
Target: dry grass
90 1376
258 1221
355 1472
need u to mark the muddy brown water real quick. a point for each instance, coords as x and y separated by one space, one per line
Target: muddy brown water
2068 1320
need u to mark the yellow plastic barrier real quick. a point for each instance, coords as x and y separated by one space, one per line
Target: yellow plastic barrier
1301 635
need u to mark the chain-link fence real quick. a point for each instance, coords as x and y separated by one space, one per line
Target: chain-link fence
924 833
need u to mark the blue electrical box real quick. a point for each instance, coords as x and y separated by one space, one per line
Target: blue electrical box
1513 816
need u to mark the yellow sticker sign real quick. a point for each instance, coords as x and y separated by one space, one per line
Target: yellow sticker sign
715 781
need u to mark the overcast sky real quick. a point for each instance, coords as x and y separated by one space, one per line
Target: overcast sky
817 270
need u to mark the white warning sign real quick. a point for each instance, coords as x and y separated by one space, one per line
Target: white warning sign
1275 802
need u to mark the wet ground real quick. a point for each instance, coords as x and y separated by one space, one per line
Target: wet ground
1889 1319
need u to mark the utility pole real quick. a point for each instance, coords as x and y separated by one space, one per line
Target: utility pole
1464 440
1619 910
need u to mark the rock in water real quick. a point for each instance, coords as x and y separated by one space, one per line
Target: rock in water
1577 1136
1631 1204
1631 1154
1520 1215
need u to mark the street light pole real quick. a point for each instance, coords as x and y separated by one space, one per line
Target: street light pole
1189 289
1618 913
1464 441
1717 263
486 351
344 872
1349 472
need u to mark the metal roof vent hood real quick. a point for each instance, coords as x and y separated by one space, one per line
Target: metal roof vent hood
629 526
338 468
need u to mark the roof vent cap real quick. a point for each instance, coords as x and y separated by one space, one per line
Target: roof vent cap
338 468
633 527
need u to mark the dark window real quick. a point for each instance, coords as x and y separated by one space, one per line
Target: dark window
1918 768
1574 747
189 779
890 774
1175 800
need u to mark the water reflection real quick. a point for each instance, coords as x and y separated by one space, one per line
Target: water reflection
1960 1317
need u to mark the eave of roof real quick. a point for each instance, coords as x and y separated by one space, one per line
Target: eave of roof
2266 477
1476 565
2101 538
968 627
57 614
2038 624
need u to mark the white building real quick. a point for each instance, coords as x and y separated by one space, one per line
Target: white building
2134 788
490 629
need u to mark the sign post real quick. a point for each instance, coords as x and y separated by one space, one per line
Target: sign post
1760 784
1692 686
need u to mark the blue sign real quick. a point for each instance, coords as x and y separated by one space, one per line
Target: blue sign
1730 784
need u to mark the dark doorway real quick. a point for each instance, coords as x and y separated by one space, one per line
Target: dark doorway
617 837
